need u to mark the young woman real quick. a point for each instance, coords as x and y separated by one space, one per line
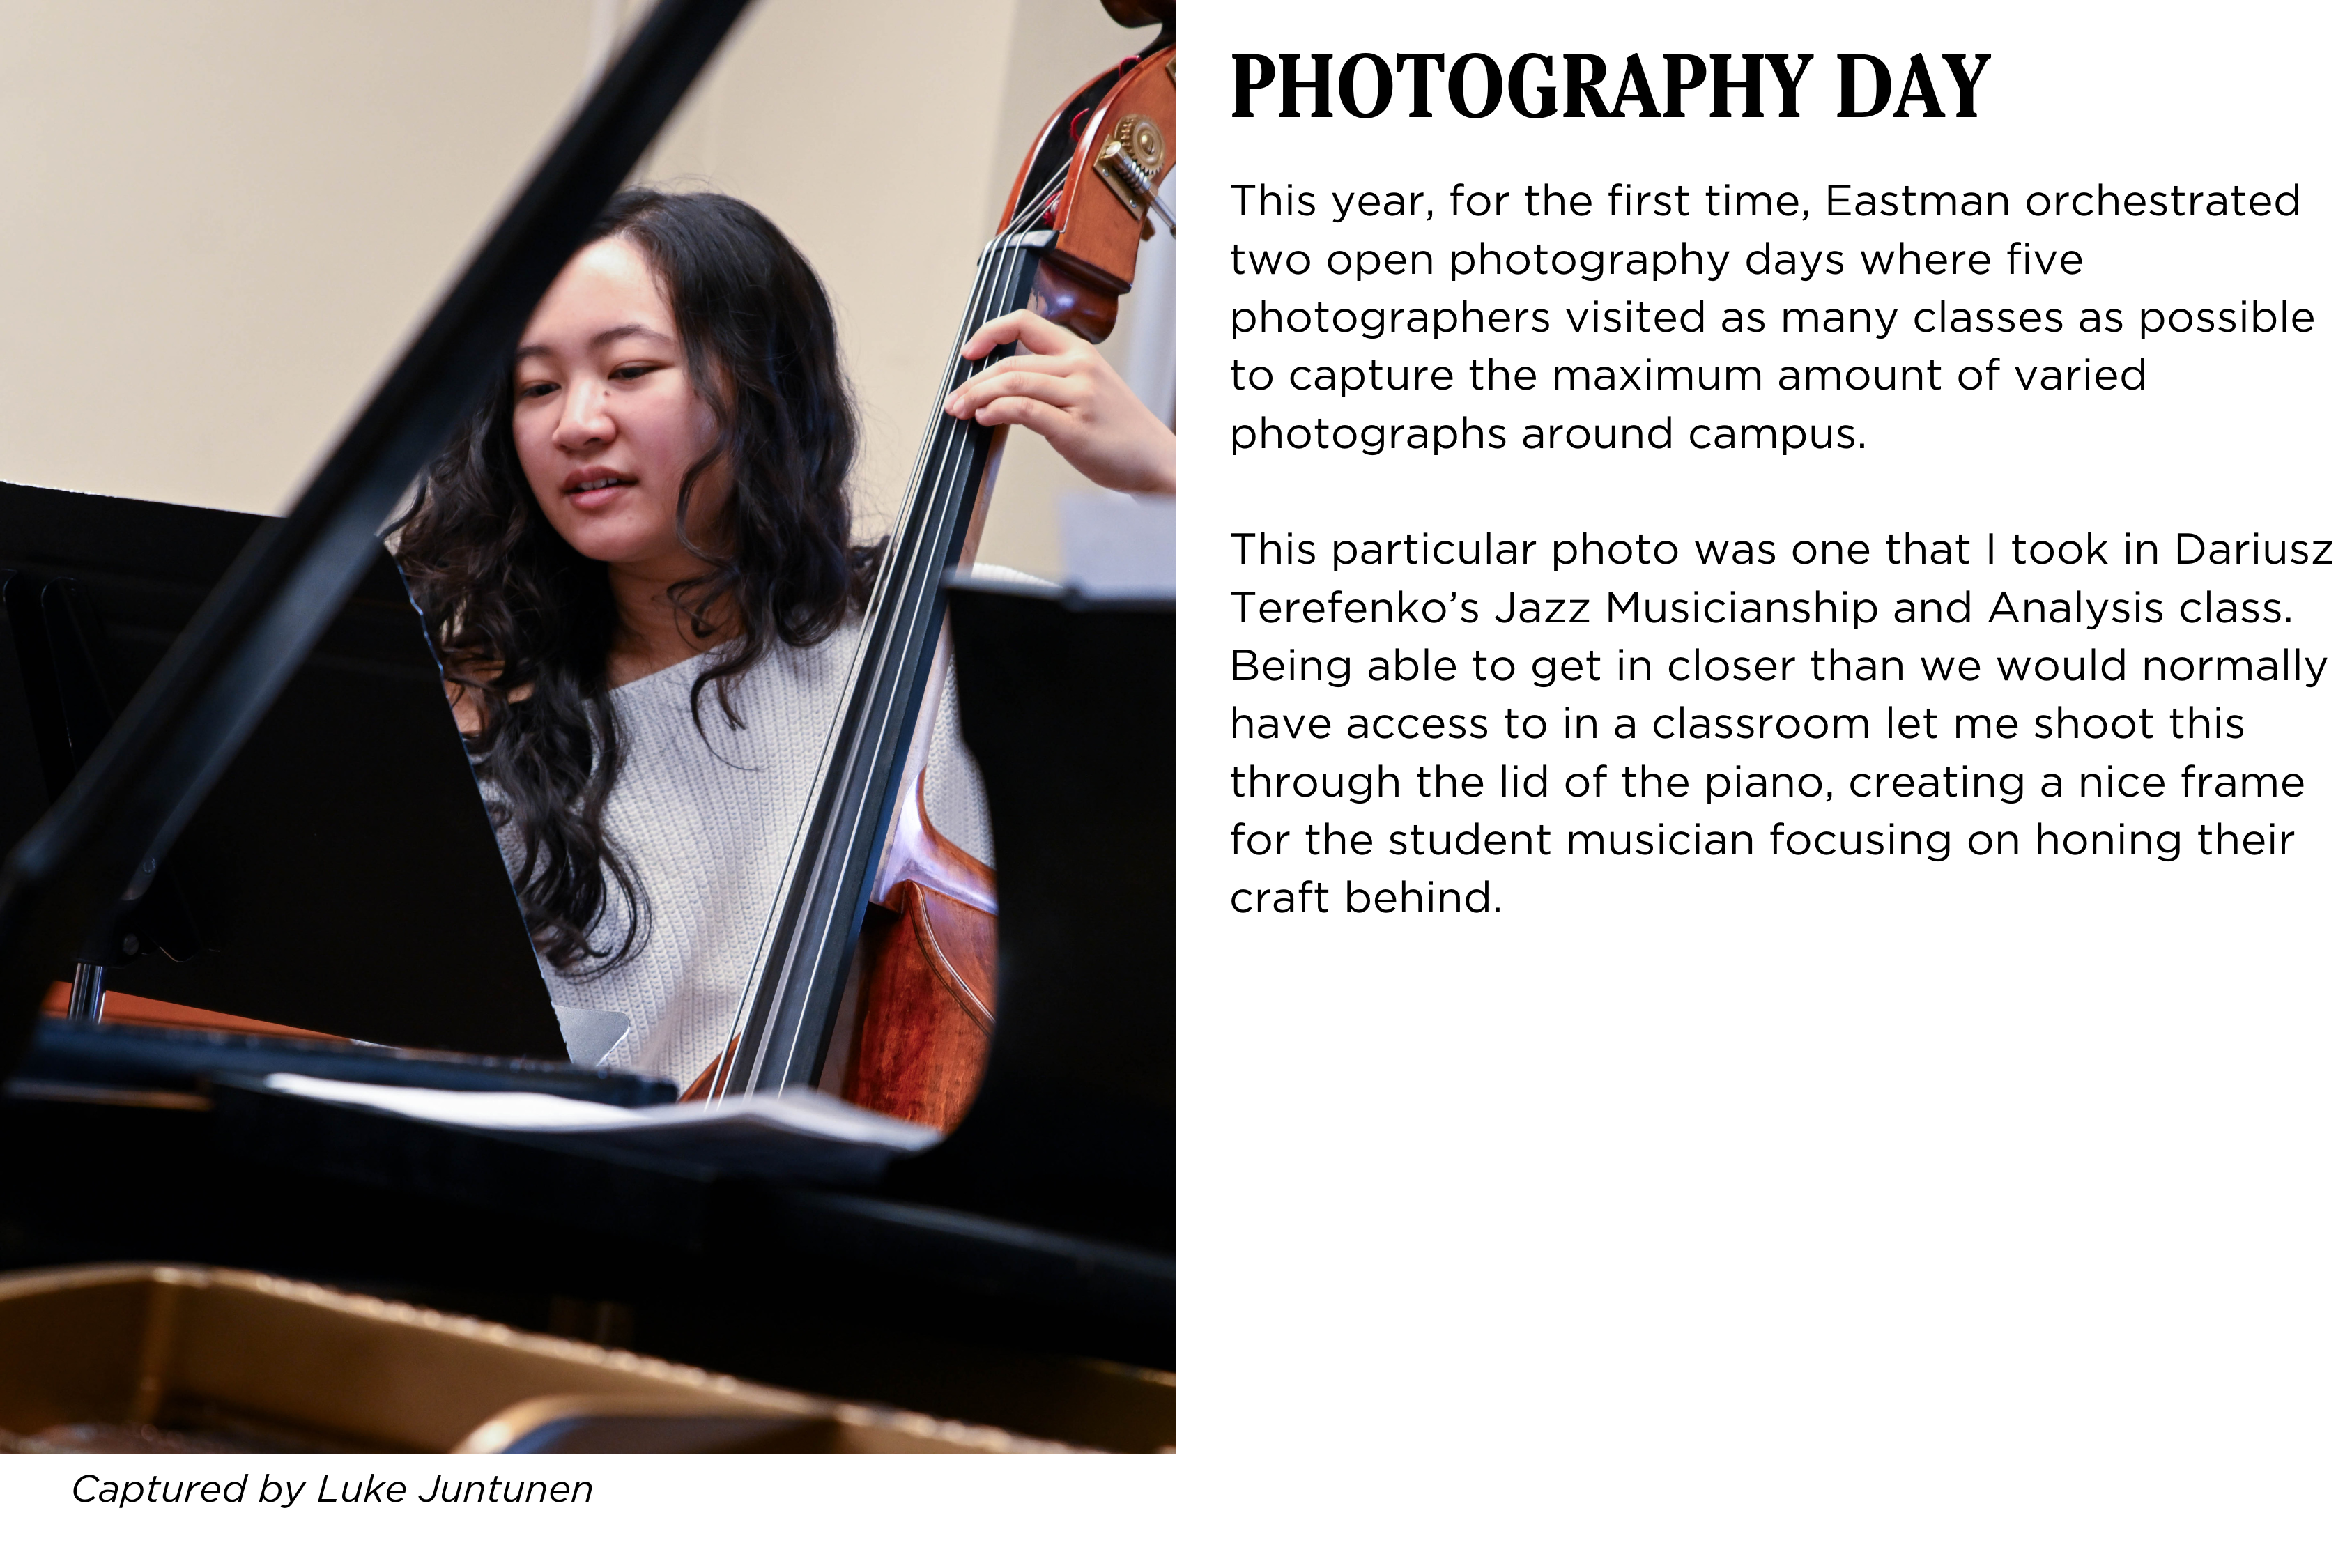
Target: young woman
635 559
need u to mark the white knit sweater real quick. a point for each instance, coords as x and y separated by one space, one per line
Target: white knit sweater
706 819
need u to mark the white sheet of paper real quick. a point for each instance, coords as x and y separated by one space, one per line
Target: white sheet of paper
801 1112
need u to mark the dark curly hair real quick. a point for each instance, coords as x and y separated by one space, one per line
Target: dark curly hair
526 624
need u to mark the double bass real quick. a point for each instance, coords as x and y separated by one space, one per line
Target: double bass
881 940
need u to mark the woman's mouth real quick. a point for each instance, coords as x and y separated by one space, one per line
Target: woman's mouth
599 492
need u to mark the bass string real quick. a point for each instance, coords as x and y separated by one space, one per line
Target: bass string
988 299
912 561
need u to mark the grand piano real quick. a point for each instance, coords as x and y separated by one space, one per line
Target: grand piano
1019 1272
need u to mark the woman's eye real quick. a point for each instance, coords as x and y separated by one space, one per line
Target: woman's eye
534 389
631 372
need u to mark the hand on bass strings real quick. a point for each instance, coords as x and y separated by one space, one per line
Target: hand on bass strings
1062 388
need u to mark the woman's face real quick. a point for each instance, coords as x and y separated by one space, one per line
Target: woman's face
607 422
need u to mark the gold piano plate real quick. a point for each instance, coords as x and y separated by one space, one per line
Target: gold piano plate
167 1358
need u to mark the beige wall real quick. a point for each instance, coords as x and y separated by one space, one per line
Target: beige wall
224 215
221 219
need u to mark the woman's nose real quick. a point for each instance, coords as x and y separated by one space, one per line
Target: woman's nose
584 422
